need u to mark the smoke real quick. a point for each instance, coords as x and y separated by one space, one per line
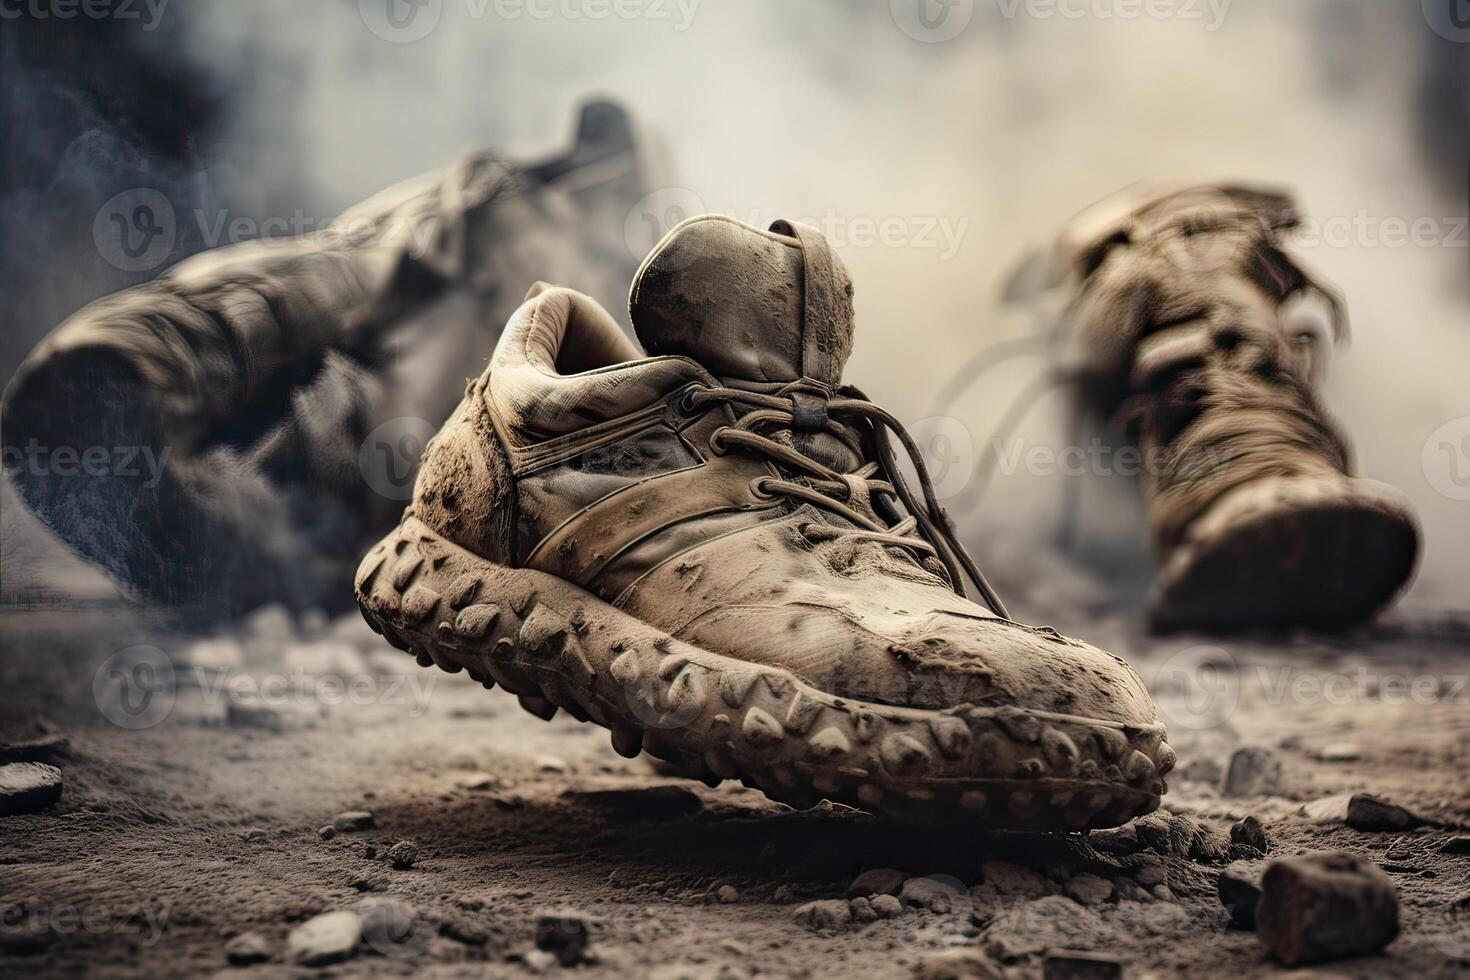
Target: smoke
931 164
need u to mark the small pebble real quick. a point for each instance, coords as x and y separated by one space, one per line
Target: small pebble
1372 813
327 832
351 820
727 895
957 964
1249 833
1089 889
564 933
827 915
403 855
1253 772
248 948
327 938
886 906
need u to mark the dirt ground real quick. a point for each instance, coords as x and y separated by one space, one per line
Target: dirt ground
196 776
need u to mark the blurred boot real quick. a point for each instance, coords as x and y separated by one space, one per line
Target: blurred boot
1175 316
261 407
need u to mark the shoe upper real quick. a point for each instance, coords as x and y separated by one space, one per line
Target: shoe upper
730 490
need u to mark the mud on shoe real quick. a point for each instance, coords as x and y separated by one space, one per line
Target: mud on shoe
711 551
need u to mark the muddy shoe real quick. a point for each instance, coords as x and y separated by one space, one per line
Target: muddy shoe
1185 317
711 552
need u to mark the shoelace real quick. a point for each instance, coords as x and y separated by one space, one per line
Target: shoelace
804 409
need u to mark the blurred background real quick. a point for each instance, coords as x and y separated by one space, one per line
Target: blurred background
932 140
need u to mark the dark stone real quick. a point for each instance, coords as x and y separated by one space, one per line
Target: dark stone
1458 846
1066 964
1372 813
1253 772
1326 906
39 749
876 881
26 787
1250 833
353 820
564 933
403 855
1239 888
248 948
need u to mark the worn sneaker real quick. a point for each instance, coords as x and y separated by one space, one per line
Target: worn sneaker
712 552
1184 315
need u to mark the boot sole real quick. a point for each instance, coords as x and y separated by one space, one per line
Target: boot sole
1290 553
554 645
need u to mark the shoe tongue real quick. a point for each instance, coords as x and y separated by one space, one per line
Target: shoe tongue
749 305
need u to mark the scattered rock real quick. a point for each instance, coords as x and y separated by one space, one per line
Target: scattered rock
1089 889
862 909
1249 833
403 855
727 895
1067 964
641 802
1458 846
1372 813
1013 880
551 763
351 820
538 960
1328 809
38 749
478 780
564 933
876 881
250 712
1340 752
1253 771
248 948
1326 906
26 787
387 925
1239 889
1150 871
327 832
957 964
939 894
826 915
783 895
886 906
327 938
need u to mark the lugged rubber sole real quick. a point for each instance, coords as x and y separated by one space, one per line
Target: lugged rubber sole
1288 552
555 645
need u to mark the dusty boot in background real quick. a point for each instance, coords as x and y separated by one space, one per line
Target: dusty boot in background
713 553
1174 316
270 399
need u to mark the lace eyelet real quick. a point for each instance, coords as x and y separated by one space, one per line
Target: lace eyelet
716 444
684 402
757 488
